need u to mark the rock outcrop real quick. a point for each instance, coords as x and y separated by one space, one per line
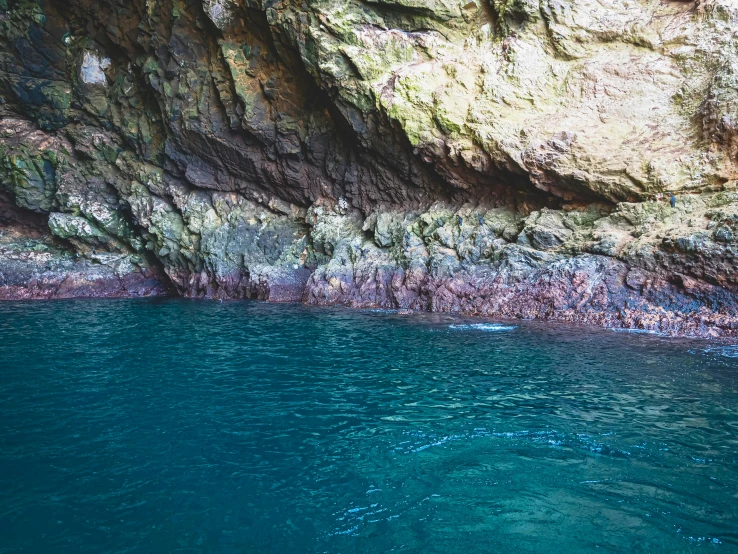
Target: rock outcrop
506 158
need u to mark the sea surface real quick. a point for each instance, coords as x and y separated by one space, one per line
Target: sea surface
237 427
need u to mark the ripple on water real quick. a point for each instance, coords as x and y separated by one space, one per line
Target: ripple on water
164 426
488 327
634 331
728 351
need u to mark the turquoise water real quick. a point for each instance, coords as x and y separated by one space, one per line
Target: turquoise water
179 426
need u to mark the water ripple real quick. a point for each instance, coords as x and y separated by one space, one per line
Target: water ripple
168 425
489 327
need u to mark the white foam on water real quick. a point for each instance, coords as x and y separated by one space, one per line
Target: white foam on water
489 327
724 351
634 331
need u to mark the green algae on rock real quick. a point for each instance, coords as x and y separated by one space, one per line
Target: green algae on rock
508 158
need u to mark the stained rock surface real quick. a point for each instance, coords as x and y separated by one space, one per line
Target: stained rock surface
505 158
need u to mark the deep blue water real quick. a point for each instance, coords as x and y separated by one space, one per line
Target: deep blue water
181 426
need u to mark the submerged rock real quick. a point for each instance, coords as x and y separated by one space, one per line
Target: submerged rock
505 158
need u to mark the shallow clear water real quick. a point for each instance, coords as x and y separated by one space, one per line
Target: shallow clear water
178 426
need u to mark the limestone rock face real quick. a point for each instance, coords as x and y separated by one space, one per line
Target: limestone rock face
507 158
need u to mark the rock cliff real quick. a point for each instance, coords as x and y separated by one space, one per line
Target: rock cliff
505 158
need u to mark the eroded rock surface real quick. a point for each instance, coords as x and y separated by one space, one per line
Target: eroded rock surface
507 158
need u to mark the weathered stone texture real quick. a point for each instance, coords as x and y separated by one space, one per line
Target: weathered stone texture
507 158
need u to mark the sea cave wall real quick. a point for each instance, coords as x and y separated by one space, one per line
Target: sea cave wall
501 158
